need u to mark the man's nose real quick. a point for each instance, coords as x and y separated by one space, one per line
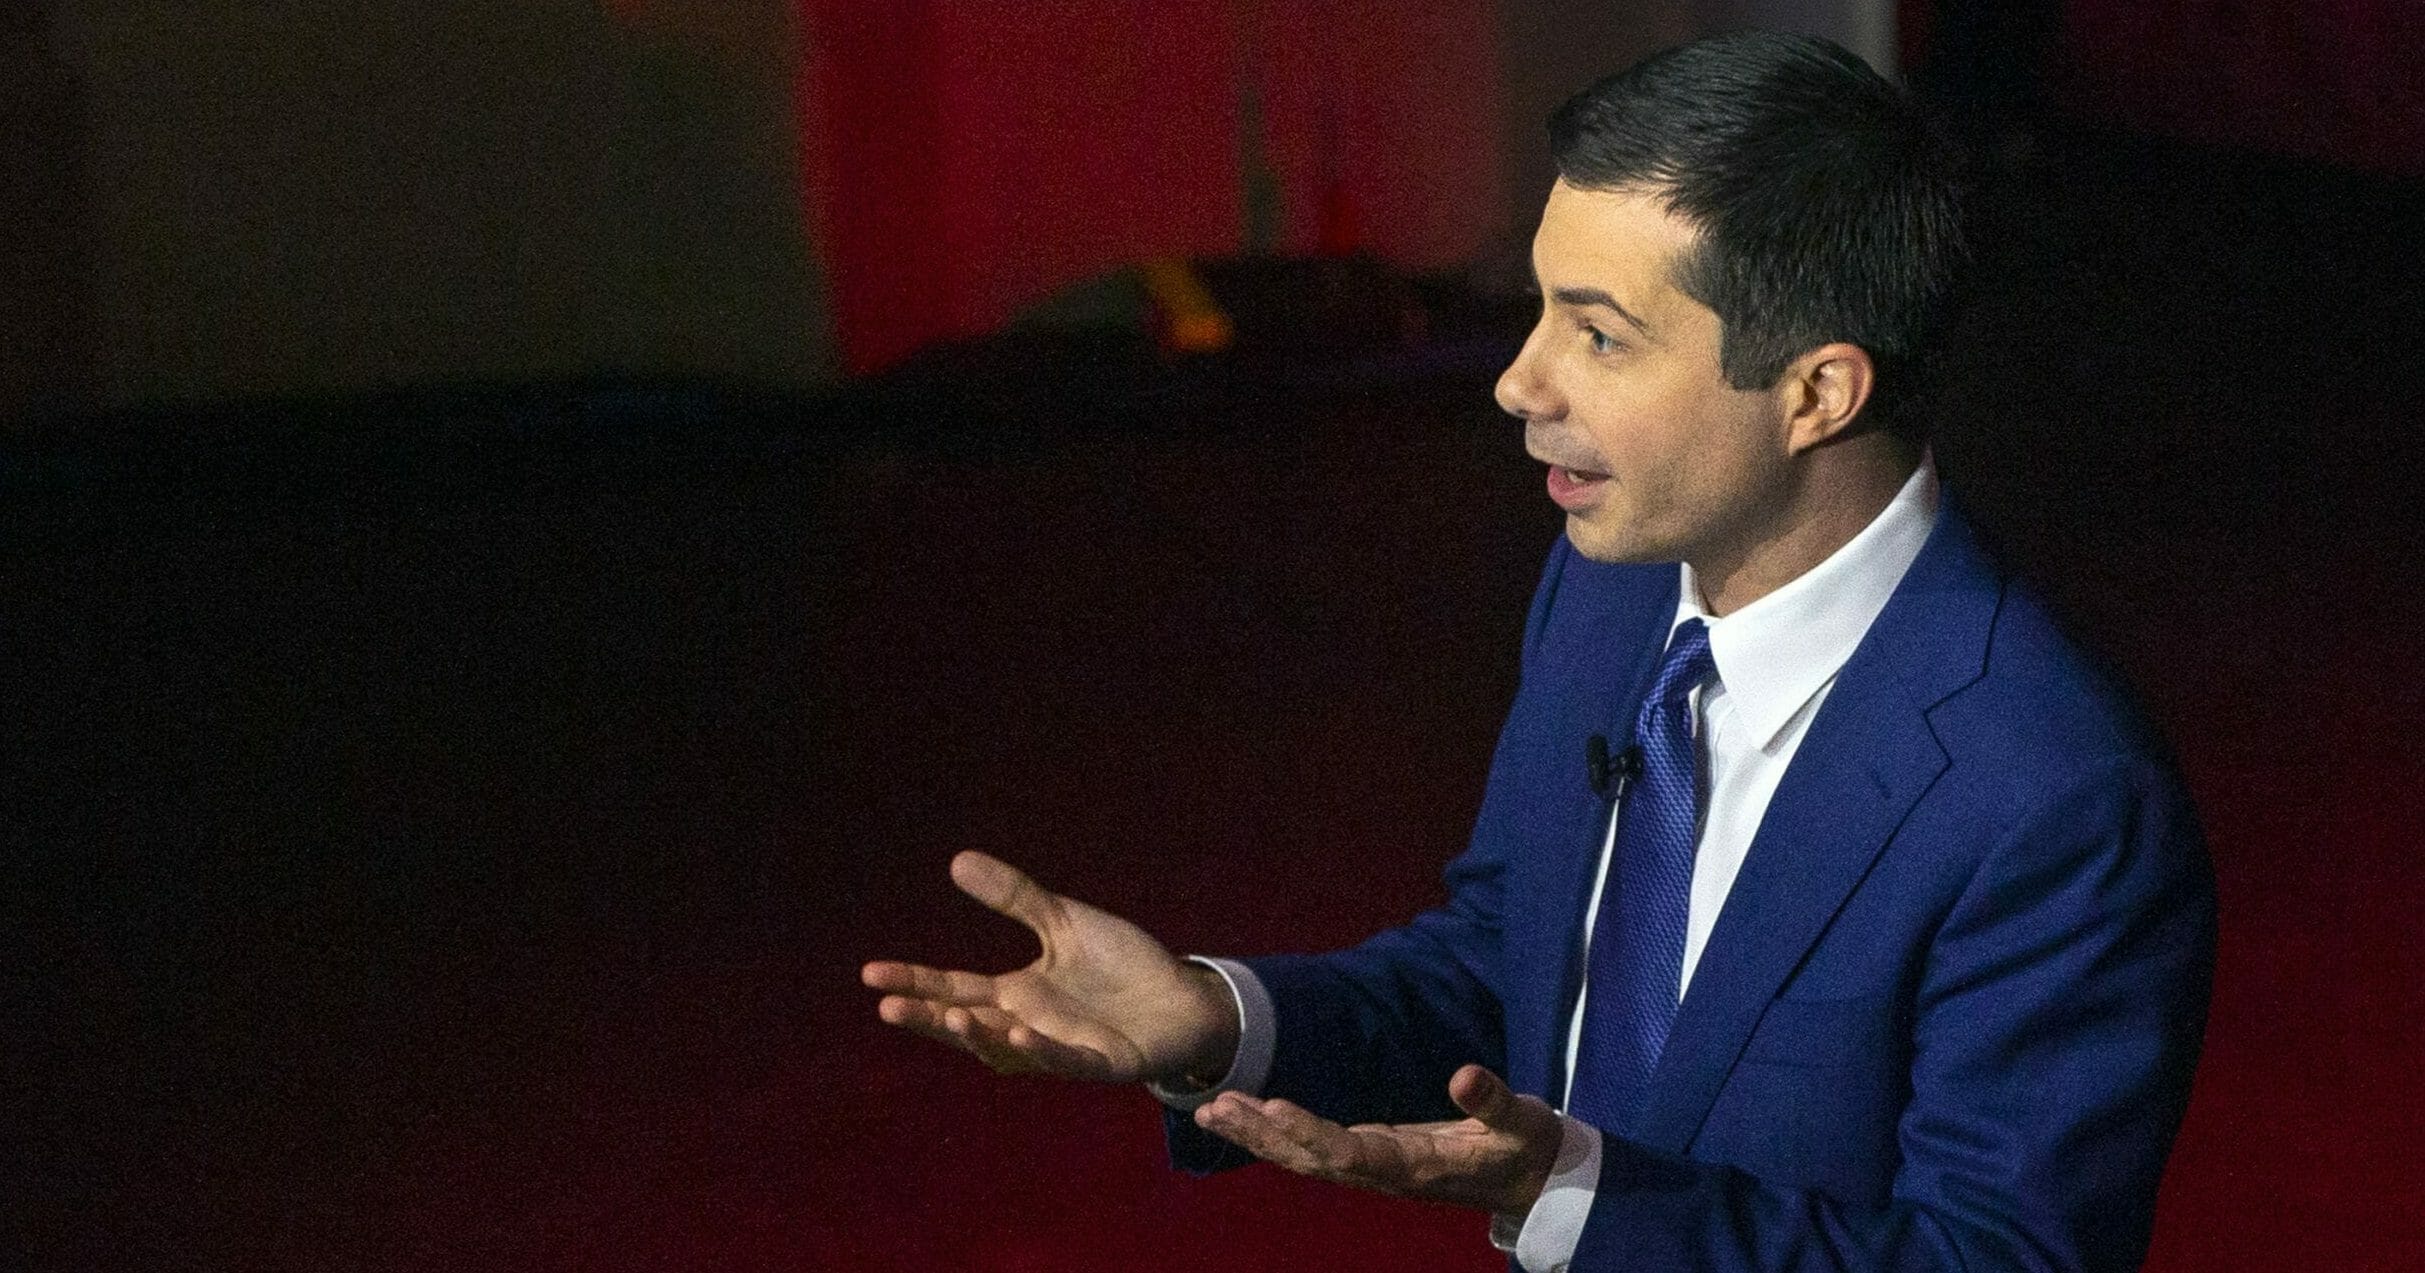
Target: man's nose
1522 391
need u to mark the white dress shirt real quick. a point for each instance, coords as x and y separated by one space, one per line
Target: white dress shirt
1776 659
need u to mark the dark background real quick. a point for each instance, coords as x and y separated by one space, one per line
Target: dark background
449 792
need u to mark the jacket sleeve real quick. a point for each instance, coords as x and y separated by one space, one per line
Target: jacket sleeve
2056 1026
1372 1034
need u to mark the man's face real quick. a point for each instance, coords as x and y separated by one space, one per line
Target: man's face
1652 454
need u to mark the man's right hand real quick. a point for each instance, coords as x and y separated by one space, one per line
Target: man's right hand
1104 1001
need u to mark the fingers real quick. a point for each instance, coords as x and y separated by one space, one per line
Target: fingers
1282 1133
1010 1046
1003 888
1488 1100
916 1016
1464 1163
921 982
1043 1054
1470 1162
984 1033
1482 1096
1004 1043
959 1027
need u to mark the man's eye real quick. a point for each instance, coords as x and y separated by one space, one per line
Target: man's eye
1601 342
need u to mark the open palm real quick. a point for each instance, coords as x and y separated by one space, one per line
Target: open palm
1495 1159
1103 1000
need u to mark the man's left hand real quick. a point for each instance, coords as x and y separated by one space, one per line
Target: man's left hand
1496 1160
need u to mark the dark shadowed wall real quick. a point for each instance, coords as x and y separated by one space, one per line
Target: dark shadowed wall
46 345
292 198
2342 80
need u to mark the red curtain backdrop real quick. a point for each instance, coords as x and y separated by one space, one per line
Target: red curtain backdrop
2342 80
975 156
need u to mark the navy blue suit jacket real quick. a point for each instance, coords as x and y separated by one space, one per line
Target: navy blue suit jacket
1948 1015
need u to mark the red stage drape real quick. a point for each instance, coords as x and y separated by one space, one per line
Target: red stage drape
975 156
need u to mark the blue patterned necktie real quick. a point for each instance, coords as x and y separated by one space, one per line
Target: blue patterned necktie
1637 946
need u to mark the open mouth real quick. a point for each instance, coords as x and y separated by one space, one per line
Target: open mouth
1572 488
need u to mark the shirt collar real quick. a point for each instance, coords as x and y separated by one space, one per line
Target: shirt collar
1777 653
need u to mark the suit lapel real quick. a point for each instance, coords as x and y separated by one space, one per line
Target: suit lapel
1869 756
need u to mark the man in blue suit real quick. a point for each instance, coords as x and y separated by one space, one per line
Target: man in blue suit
1826 909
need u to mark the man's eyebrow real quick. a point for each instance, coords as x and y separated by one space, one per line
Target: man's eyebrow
1594 296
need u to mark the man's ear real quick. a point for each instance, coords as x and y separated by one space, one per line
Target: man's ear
1823 392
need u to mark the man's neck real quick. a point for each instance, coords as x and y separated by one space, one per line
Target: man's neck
1834 494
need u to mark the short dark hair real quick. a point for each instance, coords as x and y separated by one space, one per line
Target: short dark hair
1829 209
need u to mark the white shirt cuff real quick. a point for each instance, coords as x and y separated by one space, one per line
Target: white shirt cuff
1258 1035
1544 1239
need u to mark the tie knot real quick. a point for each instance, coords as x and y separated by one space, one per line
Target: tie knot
1686 664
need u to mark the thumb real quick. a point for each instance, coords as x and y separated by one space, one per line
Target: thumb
1486 1098
1003 888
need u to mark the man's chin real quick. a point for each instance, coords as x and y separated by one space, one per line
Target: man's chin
1614 548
